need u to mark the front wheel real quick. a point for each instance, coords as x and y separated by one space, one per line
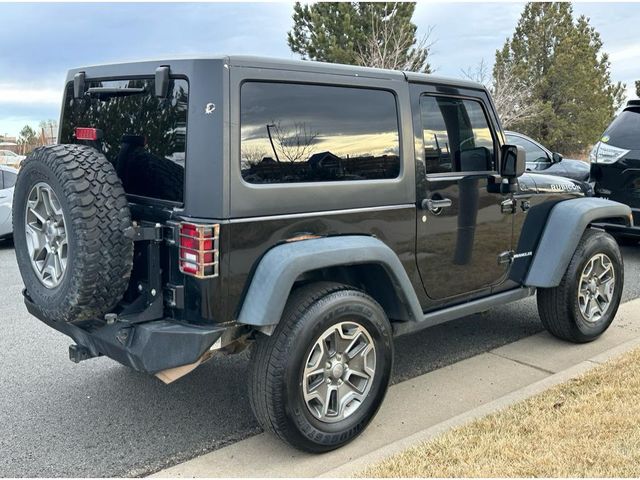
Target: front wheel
320 378
583 306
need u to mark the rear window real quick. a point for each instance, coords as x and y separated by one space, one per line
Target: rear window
624 131
143 136
317 133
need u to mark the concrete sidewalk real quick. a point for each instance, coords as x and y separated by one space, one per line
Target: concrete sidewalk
423 407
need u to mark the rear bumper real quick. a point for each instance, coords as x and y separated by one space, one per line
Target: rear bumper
148 347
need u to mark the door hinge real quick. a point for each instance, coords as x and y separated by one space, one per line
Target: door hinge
505 257
508 206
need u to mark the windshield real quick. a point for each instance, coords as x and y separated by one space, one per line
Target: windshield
624 131
142 135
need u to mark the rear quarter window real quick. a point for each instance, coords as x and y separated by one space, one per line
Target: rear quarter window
294 133
143 136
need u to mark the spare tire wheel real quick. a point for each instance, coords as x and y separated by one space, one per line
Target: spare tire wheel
70 214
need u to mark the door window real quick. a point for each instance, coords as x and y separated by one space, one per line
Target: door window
456 134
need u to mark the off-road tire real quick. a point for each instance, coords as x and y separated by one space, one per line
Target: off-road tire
277 362
96 214
558 307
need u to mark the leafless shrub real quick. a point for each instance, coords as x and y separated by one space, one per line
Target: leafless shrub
293 144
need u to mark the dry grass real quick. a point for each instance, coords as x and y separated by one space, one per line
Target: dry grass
587 427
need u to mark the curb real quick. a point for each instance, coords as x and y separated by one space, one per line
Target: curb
500 377
381 454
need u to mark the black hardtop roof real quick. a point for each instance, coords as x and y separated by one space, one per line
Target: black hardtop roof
248 61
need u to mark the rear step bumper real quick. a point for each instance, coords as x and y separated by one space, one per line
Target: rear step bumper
149 347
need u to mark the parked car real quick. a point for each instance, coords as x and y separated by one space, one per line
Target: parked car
10 159
313 211
615 168
8 177
541 159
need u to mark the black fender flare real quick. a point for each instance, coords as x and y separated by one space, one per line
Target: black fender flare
282 265
565 225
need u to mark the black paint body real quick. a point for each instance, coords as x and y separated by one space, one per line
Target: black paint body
450 257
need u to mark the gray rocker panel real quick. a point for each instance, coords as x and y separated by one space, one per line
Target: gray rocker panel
566 223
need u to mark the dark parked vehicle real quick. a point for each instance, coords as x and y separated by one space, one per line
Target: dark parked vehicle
195 207
615 167
541 159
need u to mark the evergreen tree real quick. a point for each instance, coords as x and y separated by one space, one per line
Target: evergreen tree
561 62
359 33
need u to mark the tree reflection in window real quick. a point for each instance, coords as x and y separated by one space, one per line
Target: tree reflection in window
456 135
143 136
314 133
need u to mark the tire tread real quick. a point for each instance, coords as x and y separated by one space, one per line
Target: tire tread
99 215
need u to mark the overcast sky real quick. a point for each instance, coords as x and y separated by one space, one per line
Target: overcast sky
40 42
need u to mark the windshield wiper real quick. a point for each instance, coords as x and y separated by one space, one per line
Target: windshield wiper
107 92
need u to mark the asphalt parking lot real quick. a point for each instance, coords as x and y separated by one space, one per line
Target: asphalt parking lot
98 418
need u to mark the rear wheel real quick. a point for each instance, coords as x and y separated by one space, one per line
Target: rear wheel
70 214
320 378
583 306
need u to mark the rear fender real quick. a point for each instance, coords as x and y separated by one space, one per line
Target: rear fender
281 266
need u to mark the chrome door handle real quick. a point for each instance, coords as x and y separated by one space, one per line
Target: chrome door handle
434 205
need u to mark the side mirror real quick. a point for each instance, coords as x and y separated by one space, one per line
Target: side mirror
513 162
556 158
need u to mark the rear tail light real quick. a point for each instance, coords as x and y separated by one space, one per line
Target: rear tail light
604 153
84 133
199 250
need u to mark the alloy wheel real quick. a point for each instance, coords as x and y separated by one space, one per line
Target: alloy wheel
596 287
46 235
339 372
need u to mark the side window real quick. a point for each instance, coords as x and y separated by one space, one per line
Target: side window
317 133
534 152
456 134
9 179
1 179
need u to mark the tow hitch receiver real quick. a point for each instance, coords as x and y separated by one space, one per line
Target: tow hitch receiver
78 353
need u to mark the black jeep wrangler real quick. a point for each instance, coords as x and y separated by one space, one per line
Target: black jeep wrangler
195 207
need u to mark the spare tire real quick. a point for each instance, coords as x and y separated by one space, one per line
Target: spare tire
70 215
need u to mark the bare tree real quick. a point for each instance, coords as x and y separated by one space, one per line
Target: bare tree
295 143
394 46
513 100
479 73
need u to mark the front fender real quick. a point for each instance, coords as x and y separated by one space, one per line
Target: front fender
565 225
281 266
